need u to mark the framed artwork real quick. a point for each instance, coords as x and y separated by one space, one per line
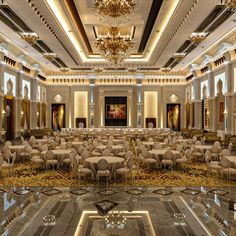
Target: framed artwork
58 116
173 116
115 111
221 112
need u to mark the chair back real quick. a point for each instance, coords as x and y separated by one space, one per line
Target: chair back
80 149
69 145
150 140
194 138
168 155
106 152
1 160
8 143
74 162
214 149
198 142
130 162
49 155
45 147
217 144
102 164
230 147
226 152
85 154
157 146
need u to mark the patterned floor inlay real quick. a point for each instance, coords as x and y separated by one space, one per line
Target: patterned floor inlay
22 191
218 192
162 192
105 206
79 191
135 191
107 192
51 192
191 191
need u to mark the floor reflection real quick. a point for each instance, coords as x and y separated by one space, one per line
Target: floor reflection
117 211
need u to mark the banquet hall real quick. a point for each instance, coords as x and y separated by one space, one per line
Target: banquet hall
118 117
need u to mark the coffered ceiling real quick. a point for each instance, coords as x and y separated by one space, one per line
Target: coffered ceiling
158 28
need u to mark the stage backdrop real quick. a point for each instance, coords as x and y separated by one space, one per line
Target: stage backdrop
115 111
173 116
58 116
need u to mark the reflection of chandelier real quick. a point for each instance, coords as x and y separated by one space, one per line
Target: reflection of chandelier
114 8
30 37
115 221
229 3
198 37
114 47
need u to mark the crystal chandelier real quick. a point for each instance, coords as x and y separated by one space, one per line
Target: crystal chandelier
114 47
114 9
229 3
198 37
30 37
50 56
115 221
179 56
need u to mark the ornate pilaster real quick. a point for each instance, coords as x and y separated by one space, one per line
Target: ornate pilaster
33 101
197 102
139 104
91 102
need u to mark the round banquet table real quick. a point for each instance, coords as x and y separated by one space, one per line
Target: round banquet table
75 144
157 153
114 163
203 147
60 154
117 148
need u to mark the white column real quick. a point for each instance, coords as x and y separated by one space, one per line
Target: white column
101 108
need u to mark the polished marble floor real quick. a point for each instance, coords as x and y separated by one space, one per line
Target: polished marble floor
91 211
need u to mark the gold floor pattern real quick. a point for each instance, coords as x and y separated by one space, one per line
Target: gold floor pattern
192 175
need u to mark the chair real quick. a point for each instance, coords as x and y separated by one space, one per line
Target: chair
10 160
85 154
26 154
168 159
211 166
49 157
106 152
44 147
149 161
226 168
8 143
215 151
157 146
103 171
125 170
37 160
194 139
224 152
197 154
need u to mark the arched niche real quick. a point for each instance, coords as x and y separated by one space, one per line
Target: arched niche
10 87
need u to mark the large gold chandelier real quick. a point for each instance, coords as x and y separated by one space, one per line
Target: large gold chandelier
114 8
229 3
114 47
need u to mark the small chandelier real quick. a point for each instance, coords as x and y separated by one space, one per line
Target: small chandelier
229 3
64 69
115 221
166 69
198 37
50 56
132 70
98 69
179 56
30 37
114 47
114 8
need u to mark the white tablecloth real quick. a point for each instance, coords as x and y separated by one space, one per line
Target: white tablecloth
231 160
158 154
203 147
18 149
114 163
60 154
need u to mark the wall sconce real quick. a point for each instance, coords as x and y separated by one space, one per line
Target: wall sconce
37 113
208 113
3 112
225 112
22 113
